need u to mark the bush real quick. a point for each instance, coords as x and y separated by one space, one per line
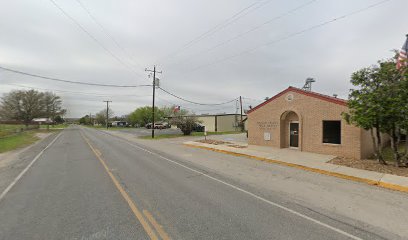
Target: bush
186 124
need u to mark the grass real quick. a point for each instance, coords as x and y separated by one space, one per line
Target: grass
17 141
10 129
54 126
193 134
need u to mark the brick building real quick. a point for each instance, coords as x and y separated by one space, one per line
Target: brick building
307 121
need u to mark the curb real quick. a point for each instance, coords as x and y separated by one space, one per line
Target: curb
394 187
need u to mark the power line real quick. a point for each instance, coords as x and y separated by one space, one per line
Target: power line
253 99
69 81
241 13
106 31
208 104
91 36
251 30
289 35
192 109
74 92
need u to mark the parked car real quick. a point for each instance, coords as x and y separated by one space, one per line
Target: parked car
148 125
198 128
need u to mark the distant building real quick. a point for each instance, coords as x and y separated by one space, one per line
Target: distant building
307 121
42 120
220 122
119 124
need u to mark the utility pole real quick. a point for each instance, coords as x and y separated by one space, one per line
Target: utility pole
107 114
154 93
242 121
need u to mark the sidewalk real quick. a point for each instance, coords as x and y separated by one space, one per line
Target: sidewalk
308 161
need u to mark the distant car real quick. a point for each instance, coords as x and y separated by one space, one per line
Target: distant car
198 128
158 125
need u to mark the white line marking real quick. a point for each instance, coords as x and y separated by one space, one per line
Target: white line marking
3 194
245 191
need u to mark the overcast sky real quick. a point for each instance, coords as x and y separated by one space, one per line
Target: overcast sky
209 51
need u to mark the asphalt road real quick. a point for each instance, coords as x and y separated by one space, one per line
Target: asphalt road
90 185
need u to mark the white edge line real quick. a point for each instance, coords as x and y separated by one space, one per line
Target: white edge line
246 192
3 194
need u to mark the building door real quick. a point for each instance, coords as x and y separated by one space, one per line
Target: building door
294 134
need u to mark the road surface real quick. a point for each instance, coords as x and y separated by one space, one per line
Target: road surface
90 185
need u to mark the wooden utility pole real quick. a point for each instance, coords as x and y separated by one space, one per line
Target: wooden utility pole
242 121
107 114
154 93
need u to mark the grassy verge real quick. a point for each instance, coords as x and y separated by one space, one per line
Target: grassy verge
17 141
11 129
57 126
193 134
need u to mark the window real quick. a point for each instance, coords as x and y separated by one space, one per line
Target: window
332 132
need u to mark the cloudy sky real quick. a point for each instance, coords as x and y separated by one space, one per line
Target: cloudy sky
209 51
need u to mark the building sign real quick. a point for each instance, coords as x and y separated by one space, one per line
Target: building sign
267 125
267 136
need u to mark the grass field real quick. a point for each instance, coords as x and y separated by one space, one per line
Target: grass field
193 134
11 129
17 141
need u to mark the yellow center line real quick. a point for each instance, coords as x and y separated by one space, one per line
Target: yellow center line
157 226
124 194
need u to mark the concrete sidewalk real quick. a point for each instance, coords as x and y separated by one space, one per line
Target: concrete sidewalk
309 162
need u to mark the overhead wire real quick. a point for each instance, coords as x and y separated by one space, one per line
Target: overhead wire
293 10
236 16
72 82
192 109
74 92
106 32
193 102
92 37
288 36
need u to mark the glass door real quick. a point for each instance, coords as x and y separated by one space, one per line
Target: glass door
294 134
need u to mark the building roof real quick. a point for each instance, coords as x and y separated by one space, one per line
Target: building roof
307 93
42 120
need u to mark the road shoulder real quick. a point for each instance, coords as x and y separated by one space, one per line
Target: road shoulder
13 162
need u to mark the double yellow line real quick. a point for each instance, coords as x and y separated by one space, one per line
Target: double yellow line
141 216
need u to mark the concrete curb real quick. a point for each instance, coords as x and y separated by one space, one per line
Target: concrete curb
379 183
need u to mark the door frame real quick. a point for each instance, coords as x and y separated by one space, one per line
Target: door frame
298 134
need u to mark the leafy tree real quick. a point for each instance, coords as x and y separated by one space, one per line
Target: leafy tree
85 120
58 119
169 111
26 105
143 115
365 106
380 104
52 106
100 117
22 105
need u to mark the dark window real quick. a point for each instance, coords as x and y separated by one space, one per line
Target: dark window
332 132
